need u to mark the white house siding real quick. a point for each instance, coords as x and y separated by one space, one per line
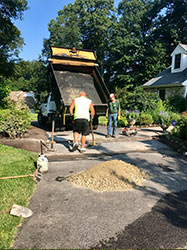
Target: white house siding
179 50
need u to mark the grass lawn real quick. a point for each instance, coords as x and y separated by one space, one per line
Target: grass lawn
34 117
14 162
103 120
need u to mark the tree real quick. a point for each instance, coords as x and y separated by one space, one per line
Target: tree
96 22
84 24
29 76
10 39
133 45
171 25
134 56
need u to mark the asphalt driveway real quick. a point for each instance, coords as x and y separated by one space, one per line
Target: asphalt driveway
153 215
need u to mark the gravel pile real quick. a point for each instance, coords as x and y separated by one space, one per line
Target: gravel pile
111 175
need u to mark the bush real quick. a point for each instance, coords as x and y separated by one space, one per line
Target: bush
14 121
4 92
177 103
132 114
146 119
137 99
122 122
180 130
164 119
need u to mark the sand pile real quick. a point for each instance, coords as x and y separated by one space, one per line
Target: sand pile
111 175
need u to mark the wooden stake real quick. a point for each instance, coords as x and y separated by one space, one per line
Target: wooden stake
13 177
53 129
93 139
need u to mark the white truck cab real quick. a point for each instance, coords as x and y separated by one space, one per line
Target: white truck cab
46 110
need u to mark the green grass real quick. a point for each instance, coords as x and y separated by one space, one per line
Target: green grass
102 120
14 162
34 117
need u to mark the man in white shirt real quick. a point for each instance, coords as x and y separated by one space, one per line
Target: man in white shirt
81 117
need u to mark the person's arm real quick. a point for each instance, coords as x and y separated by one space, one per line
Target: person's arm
72 107
107 112
92 109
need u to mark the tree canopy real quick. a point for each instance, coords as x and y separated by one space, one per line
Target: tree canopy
10 37
133 42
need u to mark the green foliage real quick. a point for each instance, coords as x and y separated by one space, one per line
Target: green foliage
102 120
29 76
160 106
10 39
132 114
4 92
137 99
14 162
83 24
122 122
180 130
146 119
15 121
177 103
128 41
171 26
164 119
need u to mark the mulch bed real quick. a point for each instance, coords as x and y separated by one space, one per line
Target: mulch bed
176 144
30 141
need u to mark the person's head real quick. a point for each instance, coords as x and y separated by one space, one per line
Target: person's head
112 96
82 93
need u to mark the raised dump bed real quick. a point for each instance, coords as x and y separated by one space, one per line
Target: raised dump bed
72 71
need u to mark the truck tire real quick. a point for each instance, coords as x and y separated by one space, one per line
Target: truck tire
41 119
95 123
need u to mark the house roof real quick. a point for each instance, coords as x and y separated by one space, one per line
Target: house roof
184 46
167 79
181 47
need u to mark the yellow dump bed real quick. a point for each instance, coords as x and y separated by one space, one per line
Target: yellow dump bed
75 71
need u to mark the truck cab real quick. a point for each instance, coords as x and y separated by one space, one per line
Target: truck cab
47 110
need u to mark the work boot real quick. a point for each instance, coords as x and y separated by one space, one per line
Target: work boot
75 146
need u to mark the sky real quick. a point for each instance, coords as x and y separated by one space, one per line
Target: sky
34 26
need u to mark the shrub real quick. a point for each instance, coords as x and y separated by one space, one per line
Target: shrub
177 103
122 122
14 121
175 117
137 99
164 119
132 114
146 119
4 92
180 130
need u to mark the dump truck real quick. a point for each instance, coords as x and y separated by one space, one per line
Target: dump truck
70 72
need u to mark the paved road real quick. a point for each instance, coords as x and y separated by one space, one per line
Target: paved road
153 215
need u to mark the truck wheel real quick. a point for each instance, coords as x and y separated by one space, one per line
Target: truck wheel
95 123
41 119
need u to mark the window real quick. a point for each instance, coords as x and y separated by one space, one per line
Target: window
162 93
177 61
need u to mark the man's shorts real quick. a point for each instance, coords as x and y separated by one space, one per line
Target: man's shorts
81 126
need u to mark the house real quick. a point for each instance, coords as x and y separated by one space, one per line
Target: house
173 80
27 97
